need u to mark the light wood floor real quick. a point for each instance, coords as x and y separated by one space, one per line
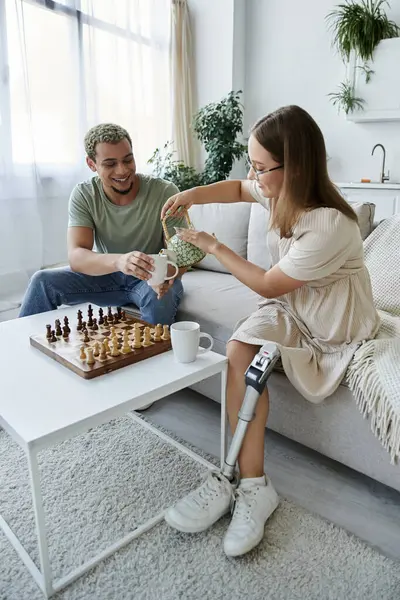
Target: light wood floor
364 507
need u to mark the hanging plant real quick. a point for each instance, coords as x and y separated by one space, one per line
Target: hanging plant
367 72
360 26
345 99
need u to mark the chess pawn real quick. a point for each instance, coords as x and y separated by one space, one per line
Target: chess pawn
137 340
113 332
48 334
115 351
126 347
53 336
146 337
165 336
82 355
66 324
65 332
103 352
106 346
105 321
96 349
157 333
86 339
95 326
58 327
90 357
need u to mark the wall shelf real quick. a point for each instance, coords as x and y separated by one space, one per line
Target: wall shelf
382 93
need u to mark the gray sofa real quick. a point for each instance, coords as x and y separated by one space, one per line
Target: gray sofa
216 300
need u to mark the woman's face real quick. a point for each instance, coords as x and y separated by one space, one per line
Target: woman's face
270 182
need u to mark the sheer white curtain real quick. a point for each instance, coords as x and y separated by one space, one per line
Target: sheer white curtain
182 77
64 67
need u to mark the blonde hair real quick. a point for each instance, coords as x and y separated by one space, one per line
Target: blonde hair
105 132
294 139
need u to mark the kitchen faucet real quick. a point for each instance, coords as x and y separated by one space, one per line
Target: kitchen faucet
383 176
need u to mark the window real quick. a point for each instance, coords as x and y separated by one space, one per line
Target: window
70 64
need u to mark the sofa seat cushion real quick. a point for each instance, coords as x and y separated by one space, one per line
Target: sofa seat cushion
217 301
228 222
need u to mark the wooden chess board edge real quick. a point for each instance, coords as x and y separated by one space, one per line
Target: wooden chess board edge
98 369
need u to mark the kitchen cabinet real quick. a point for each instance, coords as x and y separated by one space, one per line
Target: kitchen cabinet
385 196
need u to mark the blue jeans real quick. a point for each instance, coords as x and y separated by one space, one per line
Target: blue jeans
51 288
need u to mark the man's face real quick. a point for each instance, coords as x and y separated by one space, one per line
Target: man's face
115 165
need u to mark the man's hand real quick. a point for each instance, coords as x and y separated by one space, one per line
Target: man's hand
136 263
163 289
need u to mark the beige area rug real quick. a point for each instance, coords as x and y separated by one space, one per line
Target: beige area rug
100 485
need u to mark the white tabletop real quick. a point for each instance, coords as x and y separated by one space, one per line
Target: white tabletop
43 402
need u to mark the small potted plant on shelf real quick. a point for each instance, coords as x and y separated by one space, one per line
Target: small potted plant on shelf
358 26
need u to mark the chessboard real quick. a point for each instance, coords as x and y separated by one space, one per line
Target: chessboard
98 345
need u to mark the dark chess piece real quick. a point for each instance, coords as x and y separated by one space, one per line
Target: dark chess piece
90 316
105 321
65 332
53 336
119 312
116 319
84 325
95 326
58 327
110 313
66 324
123 316
86 339
79 325
48 334
101 320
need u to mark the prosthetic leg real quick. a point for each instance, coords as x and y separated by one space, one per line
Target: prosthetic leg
256 378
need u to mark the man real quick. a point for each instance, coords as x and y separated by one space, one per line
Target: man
114 224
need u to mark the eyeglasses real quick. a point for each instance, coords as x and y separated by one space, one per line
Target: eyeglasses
257 173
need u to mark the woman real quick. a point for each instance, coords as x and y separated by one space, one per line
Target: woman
317 305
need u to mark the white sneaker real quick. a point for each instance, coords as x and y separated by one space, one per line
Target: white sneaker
256 500
202 507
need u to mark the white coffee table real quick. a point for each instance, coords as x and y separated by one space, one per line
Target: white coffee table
43 403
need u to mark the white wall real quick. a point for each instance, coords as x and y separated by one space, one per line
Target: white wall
218 28
289 60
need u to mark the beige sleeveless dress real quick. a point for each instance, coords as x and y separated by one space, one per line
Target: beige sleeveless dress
319 326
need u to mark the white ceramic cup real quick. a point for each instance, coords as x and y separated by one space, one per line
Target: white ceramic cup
159 275
185 339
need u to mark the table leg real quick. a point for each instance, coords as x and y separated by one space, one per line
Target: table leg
224 437
37 499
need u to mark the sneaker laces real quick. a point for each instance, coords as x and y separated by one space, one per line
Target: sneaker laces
243 503
213 486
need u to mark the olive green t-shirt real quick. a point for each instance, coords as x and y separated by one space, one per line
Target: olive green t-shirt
121 229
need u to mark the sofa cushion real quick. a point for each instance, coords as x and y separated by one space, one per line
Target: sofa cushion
257 248
217 301
230 224
365 212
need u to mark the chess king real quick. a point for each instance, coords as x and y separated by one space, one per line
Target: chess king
114 224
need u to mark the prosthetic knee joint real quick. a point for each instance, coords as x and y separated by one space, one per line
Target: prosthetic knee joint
256 378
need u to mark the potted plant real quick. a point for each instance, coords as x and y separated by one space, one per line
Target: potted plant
217 126
358 26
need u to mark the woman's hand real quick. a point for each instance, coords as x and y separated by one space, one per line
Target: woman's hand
206 242
174 203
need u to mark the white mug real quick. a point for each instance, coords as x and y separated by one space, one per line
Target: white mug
185 339
159 275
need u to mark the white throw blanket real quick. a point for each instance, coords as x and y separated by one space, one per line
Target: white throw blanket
374 374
